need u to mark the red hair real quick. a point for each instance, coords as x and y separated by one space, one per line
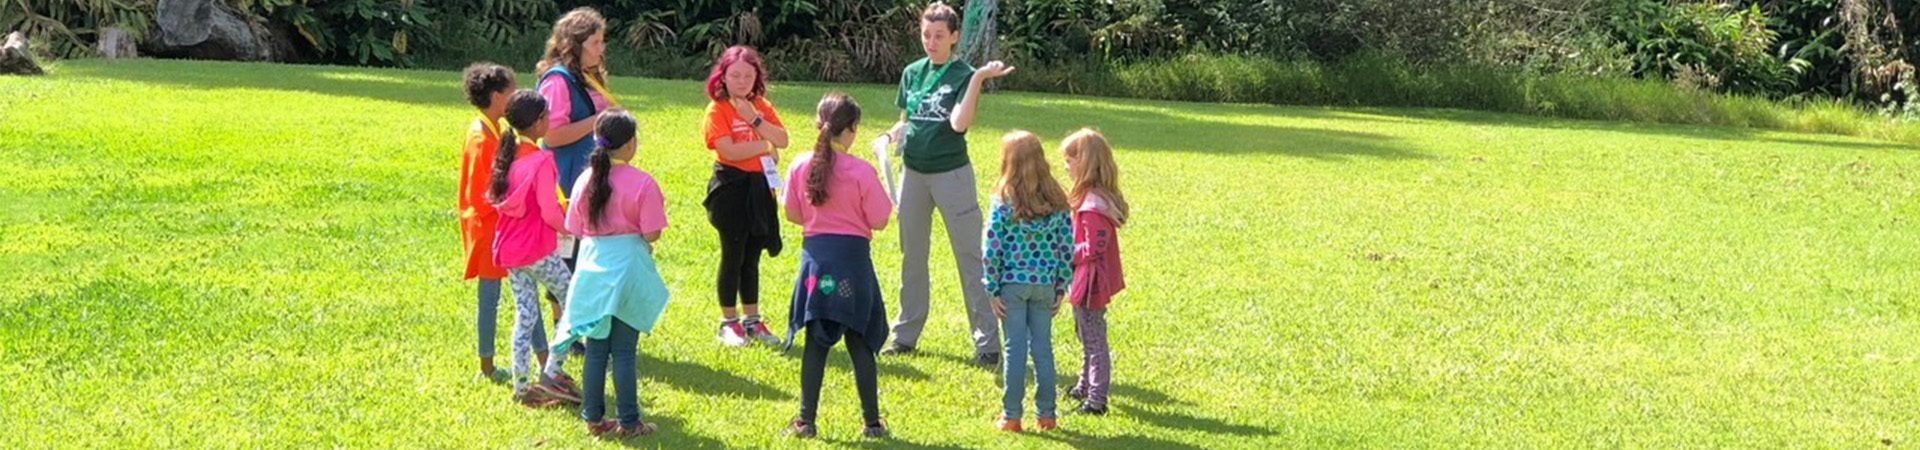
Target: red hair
716 82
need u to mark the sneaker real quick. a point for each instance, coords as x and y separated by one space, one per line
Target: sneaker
559 387
1091 410
639 429
1048 424
1009 425
897 349
602 428
498 376
877 429
802 430
533 399
758 331
1077 393
987 359
732 334
614 430
565 381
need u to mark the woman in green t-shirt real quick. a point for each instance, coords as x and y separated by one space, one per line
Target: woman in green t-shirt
938 98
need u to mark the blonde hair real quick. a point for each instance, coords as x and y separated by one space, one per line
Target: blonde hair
1095 173
1026 180
569 41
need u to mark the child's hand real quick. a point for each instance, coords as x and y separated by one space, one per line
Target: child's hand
1056 304
744 108
999 308
995 69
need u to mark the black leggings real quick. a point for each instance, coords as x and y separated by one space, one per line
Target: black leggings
821 336
739 270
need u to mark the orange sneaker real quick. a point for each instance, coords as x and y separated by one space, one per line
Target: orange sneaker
1048 424
1009 425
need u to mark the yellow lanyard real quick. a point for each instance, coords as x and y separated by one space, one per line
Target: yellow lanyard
597 87
491 126
928 79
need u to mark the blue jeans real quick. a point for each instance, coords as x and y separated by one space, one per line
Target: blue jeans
1028 329
487 321
618 349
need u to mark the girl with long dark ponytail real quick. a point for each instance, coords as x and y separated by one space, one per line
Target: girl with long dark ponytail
524 110
524 191
837 114
837 295
618 295
612 133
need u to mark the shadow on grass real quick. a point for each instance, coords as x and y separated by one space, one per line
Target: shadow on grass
1686 131
1080 440
1131 123
962 361
672 434
1146 396
417 87
893 369
839 361
694 377
1162 418
1168 412
1851 145
890 443
1212 129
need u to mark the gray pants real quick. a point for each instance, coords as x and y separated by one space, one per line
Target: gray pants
954 193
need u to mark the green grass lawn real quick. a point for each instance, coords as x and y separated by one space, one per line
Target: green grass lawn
229 255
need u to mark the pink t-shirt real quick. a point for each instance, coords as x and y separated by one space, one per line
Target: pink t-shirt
560 100
636 207
856 203
530 215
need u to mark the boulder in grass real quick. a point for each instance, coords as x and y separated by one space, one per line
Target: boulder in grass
16 58
207 29
116 43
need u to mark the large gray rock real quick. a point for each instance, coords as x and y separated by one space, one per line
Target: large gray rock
16 58
208 29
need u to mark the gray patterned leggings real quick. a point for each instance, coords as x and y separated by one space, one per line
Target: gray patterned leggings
1096 369
527 331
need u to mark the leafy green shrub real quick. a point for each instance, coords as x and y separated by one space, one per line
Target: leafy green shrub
68 28
353 31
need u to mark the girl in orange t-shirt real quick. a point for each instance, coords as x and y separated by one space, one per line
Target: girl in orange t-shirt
745 135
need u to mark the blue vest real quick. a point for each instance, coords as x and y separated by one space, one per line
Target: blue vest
571 159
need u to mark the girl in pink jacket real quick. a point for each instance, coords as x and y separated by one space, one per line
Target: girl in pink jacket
1099 211
526 191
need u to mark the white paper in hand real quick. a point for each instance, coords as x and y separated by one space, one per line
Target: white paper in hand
883 154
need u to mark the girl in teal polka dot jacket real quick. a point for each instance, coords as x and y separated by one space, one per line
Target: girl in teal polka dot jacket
1029 263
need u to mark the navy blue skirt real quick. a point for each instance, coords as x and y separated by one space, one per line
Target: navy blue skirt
837 283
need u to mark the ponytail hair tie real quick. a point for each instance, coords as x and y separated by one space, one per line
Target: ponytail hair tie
602 142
